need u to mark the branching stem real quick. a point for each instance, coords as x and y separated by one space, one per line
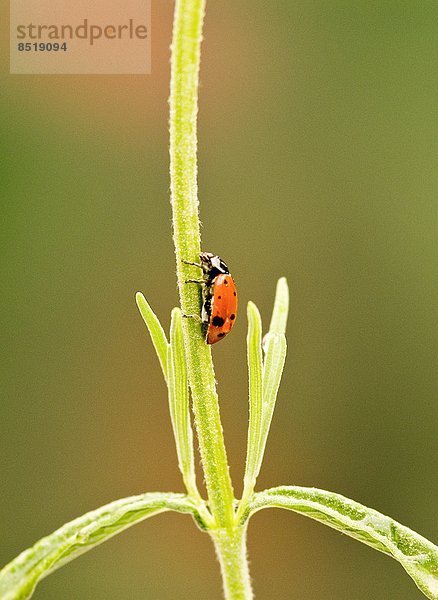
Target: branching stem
229 539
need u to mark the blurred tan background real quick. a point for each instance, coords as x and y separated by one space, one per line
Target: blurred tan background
317 160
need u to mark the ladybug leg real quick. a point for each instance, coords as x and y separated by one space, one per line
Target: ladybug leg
186 262
196 317
200 281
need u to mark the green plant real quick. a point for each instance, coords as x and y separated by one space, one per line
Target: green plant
187 367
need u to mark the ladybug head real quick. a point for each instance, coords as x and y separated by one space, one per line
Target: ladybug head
212 265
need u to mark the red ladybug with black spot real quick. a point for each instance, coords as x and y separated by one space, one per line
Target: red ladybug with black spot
219 309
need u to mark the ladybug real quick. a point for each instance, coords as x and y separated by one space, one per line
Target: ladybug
219 295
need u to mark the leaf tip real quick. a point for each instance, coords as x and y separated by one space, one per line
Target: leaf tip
283 287
140 299
254 318
281 307
252 307
175 317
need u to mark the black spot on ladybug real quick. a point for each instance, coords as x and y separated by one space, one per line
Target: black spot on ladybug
217 321
226 281
232 317
219 297
221 334
234 293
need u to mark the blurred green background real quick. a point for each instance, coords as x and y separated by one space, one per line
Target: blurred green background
318 161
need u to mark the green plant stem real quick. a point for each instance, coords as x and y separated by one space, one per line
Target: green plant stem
231 551
187 34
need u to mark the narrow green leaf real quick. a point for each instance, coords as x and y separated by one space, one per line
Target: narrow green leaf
179 404
281 307
264 381
157 334
255 372
417 555
274 347
273 365
20 577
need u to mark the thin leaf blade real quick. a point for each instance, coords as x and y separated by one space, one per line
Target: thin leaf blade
264 380
274 348
155 329
255 375
275 356
19 578
417 555
281 307
179 403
